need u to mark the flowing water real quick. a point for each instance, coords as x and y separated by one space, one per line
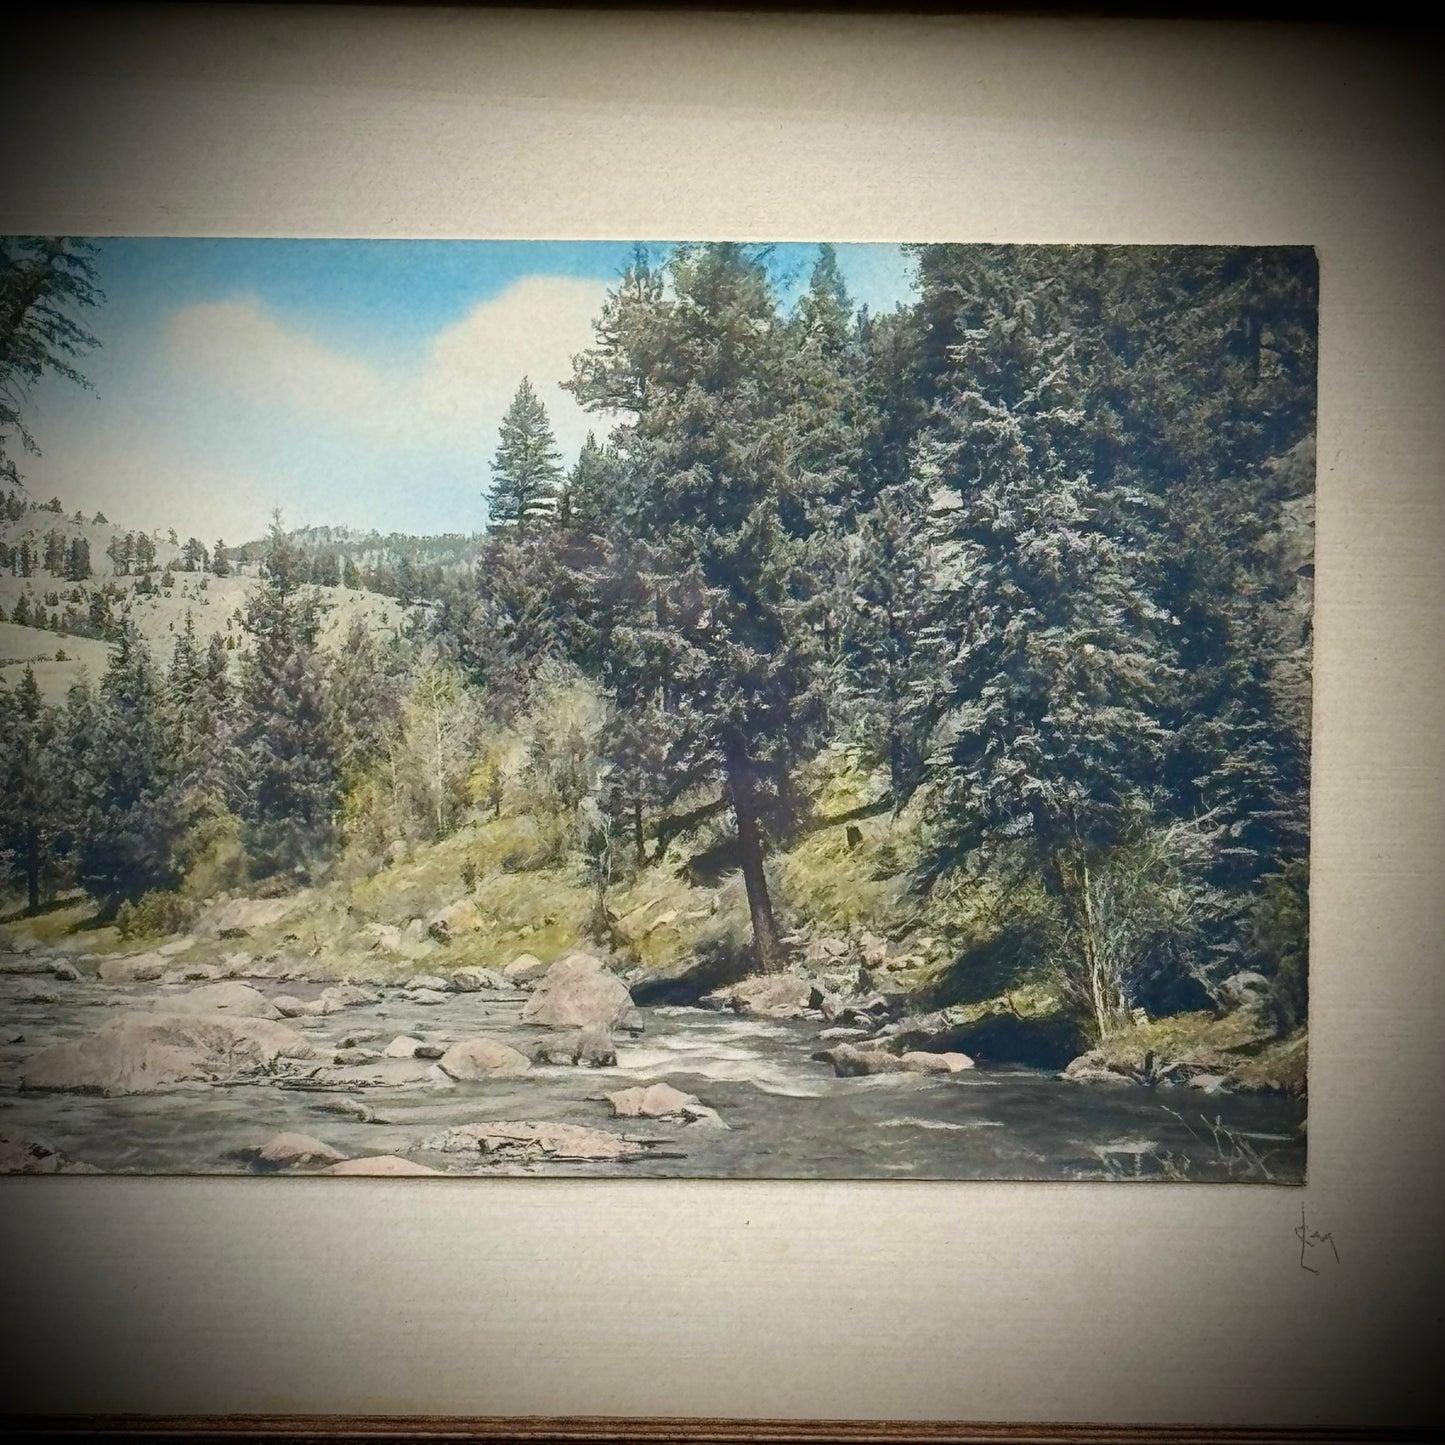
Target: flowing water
787 1116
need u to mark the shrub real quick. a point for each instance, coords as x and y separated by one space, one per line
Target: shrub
155 914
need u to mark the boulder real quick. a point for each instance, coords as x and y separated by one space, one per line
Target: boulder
457 918
849 1061
591 1047
238 964
474 979
24 965
138 968
402 1047
380 1166
230 997
483 1059
287 1151
65 971
20 1154
176 946
526 1141
920 1061
1210 1083
384 937
427 997
238 917
526 968
291 1007
579 993
345 995
765 995
356 1110
427 981
661 1101
1244 989
145 1053
1090 1068
349 1058
193 973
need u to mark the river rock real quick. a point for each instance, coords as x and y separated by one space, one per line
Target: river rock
230 997
426 997
843 1035
238 964
346 995
474 979
25 965
590 1047
21 1154
145 1053
380 1166
1090 1068
765 995
65 971
193 973
287 1151
526 1140
137 968
402 1047
357 1110
661 1101
920 1061
482 1059
579 993
525 969
849 1061
1210 1083
238 917
349 1058
291 1007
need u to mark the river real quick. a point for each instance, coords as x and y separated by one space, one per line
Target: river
787 1116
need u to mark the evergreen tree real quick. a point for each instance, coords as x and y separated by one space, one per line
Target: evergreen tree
1052 747
592 487
285 763
714 528
220 559
133 818
27 782
44 282
77 560
525 470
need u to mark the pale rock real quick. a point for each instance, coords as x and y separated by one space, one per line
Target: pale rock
765 995
380 1166
474 979
526 1140
229 997
138 968
526 968
402 1047
483 1058
920 1061
286 1151
578 992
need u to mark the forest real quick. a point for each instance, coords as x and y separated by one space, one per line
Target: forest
978 631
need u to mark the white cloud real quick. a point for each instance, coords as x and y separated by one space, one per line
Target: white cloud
455 397
531 329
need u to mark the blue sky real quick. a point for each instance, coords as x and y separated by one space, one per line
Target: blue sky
354 382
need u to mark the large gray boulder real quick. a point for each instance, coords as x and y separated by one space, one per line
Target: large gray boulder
764 995
239 1000
289 1151
380 1166
482 1059
591 1047
578 992
525 969
138 968
146 1053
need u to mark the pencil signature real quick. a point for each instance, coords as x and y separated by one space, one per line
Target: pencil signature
1312 1239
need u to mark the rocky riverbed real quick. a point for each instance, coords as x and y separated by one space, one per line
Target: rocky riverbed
153 1063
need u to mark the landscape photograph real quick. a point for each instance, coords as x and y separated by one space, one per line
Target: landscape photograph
655 709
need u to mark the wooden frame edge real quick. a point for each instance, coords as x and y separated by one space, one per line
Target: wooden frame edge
603 1430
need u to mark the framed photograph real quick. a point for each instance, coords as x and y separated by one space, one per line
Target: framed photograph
719 682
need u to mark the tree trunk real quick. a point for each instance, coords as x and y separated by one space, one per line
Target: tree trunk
767 947
639 843
32 867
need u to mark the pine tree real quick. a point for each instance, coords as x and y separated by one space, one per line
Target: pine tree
285 763
133 818
1056 657
716 532
28 785
77 560
592 487
44 282
220 559
525 470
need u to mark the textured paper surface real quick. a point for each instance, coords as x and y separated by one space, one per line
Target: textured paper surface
821 1300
